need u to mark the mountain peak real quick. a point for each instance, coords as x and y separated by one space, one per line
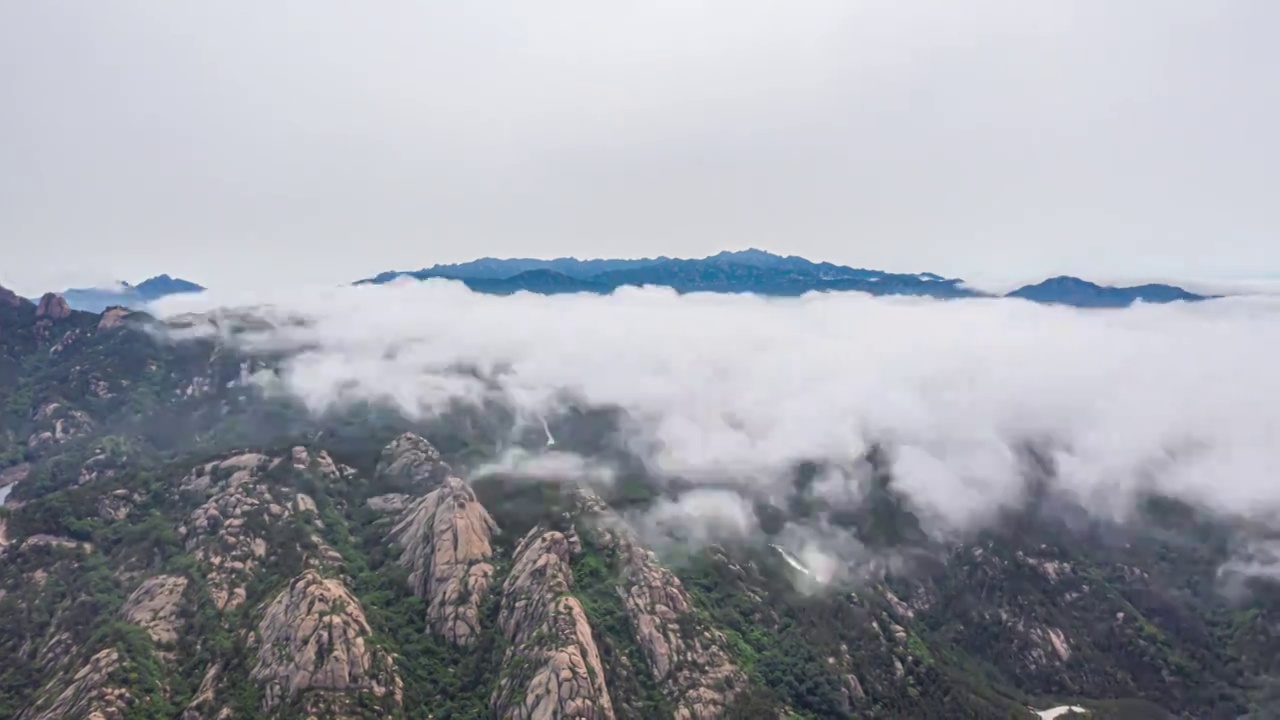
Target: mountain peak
1069 290
126 295
53 306
748 254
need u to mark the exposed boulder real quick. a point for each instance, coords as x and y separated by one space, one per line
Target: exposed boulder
57 423
446 537
53 306
321 463
102 466
411 463
314 642
552 668
113 317
154 608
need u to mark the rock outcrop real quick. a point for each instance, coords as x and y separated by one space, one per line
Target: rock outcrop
154 607
226 533
412 464
552 668
446 537
53 306
113 317
314 641
88 694
58 423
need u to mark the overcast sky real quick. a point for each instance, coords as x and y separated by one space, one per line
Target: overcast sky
239 143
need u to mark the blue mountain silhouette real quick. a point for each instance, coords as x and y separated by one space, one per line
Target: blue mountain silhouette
760 272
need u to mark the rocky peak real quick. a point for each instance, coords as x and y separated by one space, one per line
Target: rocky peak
552 668
53 306
412 462
315 641
446 536
113 317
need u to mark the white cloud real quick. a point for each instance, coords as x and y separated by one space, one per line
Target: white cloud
1178 397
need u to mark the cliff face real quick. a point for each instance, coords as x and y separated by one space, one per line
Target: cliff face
154 607
89 694
446 538
552 668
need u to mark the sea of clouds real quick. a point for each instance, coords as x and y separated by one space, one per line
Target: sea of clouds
1182 399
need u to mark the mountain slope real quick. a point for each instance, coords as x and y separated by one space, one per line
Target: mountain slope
177 544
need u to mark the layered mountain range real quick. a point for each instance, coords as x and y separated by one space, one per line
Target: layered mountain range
745 271
762 273
177 543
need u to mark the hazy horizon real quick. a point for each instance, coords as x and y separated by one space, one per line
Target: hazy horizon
322 143
1255 284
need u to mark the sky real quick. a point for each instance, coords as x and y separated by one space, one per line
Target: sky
241 144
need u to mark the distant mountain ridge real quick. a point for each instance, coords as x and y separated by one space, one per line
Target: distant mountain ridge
99 299
760 272
1067 290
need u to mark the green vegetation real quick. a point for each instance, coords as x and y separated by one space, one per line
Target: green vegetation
595 584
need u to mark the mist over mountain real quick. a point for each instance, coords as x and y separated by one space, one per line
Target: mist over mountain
724 385
126 295
415 500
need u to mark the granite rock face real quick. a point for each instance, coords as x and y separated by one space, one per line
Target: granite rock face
446 537
412 463
154 607
113 317
315 640
552 668
89 693
53 307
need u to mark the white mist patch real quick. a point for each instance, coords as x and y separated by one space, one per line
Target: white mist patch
546 466
1180 397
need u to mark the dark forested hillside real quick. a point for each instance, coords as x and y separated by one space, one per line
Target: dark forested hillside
176 544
